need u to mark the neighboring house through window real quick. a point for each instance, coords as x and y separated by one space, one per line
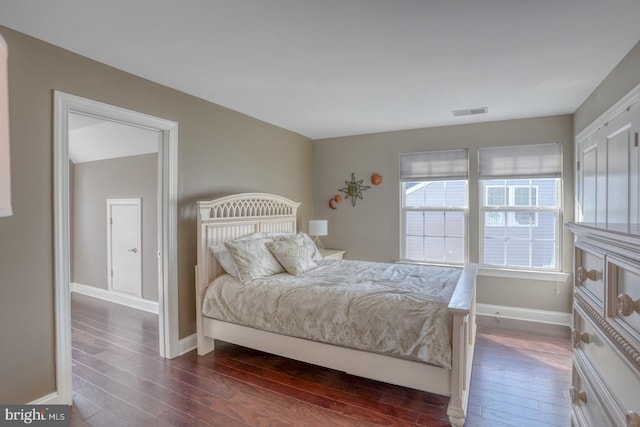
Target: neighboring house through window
511 195
520 215
434 206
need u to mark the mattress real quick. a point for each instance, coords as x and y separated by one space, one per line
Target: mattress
393 309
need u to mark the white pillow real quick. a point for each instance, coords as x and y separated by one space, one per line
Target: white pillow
293 254
222 254
252 259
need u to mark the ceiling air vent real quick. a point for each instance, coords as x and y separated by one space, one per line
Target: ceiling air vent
470 111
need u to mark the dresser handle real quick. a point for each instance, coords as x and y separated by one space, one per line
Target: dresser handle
577 396
577 338
627 306
633 419
583 274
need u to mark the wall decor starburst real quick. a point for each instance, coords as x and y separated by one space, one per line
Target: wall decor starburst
354 189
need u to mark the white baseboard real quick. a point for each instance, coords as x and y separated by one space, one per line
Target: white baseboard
187 344
527 314
118 298
49 399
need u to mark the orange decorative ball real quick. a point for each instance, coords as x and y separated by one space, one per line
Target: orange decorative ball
337 198
376 179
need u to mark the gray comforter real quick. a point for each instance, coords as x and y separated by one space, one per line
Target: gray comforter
393 309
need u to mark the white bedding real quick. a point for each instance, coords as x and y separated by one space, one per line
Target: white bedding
394 309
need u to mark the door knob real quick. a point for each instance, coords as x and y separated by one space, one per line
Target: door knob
577 396
626 305
584 274
577 338
134 250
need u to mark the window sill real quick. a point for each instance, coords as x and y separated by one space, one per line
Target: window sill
433 264
547 276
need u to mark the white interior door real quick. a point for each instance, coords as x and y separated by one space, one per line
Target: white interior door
124 246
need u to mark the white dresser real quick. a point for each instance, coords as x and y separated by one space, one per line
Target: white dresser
606 335
606 307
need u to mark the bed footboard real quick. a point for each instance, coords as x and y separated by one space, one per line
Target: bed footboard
463 309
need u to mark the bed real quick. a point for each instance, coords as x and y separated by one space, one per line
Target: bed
238 216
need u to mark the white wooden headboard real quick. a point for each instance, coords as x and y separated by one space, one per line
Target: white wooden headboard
231 217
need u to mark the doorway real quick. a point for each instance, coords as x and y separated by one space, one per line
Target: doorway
65 104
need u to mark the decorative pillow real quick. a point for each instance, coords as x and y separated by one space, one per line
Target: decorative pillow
252 259
314 252
293 254
222 254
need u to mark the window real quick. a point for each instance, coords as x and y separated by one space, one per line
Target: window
434 206
520 211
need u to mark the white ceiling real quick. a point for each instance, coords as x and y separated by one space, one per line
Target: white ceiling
93 139
326 68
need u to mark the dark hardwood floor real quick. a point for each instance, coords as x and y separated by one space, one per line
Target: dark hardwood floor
520 378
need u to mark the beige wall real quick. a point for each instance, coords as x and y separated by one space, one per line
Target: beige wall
620 81
97 181
371 229
220 152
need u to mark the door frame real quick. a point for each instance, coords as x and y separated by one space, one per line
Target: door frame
132 201
169 345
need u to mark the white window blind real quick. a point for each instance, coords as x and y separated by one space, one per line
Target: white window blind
5 173
434 165
533 161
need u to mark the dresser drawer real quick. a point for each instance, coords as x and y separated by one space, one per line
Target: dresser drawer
623 306
589 275
586 407
618 381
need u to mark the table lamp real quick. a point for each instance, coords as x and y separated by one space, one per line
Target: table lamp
318 227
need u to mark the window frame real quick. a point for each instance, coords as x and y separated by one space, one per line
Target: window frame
404 209
509 220
557 210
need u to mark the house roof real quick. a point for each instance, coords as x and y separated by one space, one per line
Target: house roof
343 67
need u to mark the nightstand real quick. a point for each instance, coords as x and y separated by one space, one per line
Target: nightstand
332 253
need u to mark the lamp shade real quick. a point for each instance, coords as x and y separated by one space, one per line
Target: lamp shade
318 227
